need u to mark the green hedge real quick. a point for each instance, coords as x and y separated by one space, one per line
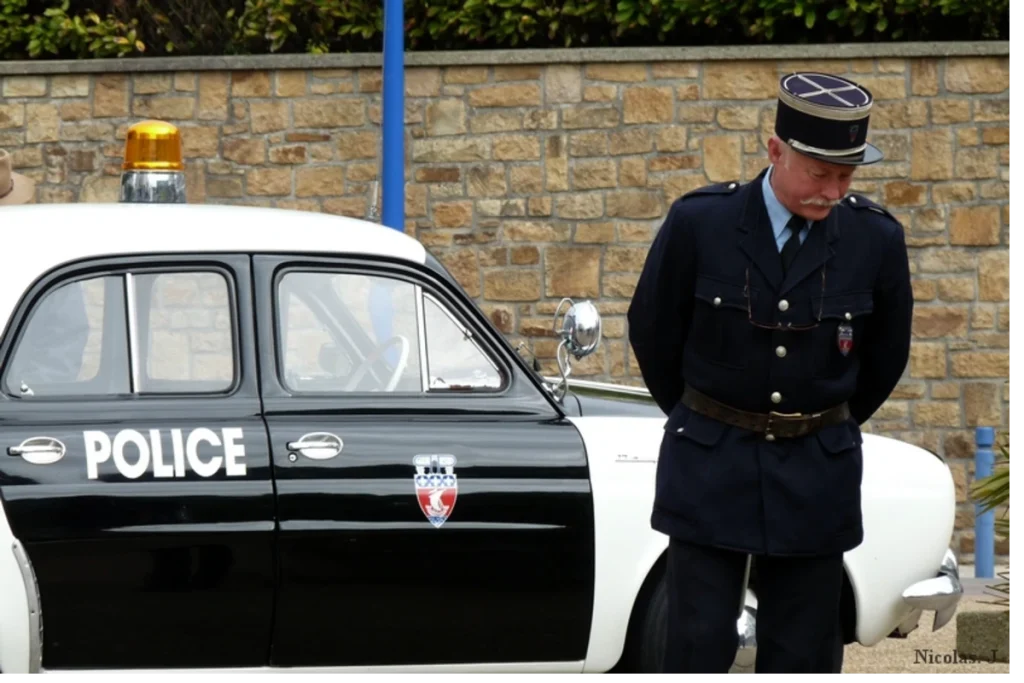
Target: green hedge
41 29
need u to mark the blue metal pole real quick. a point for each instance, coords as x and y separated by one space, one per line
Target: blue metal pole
393 119
984 523
393 162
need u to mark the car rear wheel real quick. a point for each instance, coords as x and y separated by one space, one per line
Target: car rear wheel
646 641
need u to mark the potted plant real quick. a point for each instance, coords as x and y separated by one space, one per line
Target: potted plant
985 634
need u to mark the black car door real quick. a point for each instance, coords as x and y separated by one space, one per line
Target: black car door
134 465
434 505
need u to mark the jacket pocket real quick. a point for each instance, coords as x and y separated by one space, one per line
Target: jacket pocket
685 424
841 332
839 438
720 332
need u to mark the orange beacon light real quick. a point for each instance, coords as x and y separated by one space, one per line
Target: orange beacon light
153 171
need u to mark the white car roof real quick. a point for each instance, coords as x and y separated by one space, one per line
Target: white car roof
40 237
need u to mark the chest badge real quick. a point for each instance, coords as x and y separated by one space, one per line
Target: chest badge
436 486
844 339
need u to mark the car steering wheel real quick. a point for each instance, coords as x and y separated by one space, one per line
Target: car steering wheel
374 356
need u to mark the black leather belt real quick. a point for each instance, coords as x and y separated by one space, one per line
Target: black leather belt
773 425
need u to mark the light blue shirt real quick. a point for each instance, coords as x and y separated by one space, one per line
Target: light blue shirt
779 214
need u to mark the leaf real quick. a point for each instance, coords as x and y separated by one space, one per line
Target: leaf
811 16
993 490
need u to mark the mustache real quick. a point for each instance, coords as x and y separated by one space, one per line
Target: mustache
827 203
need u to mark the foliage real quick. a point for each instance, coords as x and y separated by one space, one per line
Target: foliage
173 27
26 32
993 491
131 28
1002 590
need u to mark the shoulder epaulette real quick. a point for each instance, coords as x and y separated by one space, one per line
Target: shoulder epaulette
859 201
717 188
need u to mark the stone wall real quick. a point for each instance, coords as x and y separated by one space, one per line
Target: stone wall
545 174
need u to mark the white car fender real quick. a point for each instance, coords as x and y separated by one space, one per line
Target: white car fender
20 636
622 454
909 508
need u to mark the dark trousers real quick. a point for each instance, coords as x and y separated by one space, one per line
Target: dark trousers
798 629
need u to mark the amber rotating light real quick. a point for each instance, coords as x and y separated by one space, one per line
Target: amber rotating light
153 171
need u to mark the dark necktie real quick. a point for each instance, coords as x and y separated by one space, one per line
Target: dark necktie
792 245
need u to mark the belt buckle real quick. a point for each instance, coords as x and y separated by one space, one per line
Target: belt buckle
773 414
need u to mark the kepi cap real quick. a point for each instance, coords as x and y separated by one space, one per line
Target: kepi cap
15 188
826 117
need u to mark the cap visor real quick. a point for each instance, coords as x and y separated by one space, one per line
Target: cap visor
870 155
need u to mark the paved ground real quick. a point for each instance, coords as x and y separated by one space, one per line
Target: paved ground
924 651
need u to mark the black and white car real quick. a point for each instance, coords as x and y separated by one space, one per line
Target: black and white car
242 438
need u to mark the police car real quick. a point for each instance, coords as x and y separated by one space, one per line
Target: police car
242 438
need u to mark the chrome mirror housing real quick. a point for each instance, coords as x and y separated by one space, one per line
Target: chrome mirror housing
580 332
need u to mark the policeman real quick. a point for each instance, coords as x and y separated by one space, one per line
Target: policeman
770 321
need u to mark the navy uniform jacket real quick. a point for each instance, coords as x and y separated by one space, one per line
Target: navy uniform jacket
689 322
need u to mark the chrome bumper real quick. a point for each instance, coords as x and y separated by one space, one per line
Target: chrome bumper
940 594
746 628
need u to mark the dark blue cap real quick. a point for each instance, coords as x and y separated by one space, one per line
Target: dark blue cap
826 117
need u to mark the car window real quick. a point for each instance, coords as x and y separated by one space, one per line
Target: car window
453 357
350 332
186 333
74 343
134 333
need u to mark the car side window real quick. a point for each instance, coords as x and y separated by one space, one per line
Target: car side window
348 332
186 332
133 333
352 332
74 343
455 360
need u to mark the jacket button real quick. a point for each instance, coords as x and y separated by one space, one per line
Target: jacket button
718 300
769 437
783 305
776 397
780 351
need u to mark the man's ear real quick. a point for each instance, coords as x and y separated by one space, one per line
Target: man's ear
775 150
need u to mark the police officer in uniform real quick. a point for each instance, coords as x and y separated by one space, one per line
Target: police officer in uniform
770 321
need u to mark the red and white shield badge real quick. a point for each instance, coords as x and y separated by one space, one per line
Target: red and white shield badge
844 339
436 486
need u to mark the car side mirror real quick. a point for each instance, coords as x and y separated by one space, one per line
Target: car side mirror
580 331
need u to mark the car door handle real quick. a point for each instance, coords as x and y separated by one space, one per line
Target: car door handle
316 446
28 450
39 450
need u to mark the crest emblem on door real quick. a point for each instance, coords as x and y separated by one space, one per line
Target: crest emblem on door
436 486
